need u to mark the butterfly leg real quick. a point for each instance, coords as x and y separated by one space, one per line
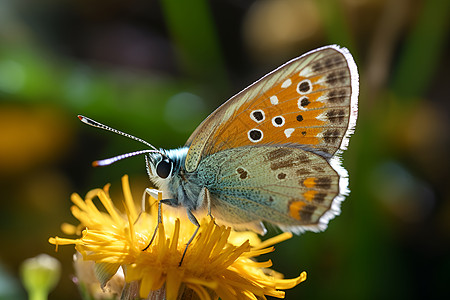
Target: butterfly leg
157 195
205 196
194 221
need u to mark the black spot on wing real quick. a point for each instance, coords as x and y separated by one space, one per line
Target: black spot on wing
258 115
281 176
304 102
242 173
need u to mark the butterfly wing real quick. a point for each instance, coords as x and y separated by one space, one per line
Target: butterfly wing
307 108
311 101
286 186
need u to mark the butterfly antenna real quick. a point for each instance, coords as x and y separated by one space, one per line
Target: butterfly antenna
108 161
93 123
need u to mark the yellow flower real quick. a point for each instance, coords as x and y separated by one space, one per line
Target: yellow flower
219 262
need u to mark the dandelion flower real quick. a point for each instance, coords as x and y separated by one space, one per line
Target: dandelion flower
218 263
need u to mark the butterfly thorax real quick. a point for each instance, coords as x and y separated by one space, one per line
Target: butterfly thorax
180 188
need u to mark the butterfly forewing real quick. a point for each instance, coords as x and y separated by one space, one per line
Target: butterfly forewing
307 102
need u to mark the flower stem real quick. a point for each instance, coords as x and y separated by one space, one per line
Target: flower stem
38 294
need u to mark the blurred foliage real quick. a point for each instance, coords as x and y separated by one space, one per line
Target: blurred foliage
155 69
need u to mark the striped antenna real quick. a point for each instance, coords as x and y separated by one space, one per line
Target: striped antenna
108 161
94 123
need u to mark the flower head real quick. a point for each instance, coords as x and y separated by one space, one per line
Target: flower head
40 275
219 262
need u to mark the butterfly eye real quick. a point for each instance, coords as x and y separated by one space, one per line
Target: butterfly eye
164 168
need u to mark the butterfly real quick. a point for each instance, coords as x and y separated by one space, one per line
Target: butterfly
269 154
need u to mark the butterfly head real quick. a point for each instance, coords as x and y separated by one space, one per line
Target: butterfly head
162 166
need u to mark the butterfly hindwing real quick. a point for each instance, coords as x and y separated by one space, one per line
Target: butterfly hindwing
287 186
